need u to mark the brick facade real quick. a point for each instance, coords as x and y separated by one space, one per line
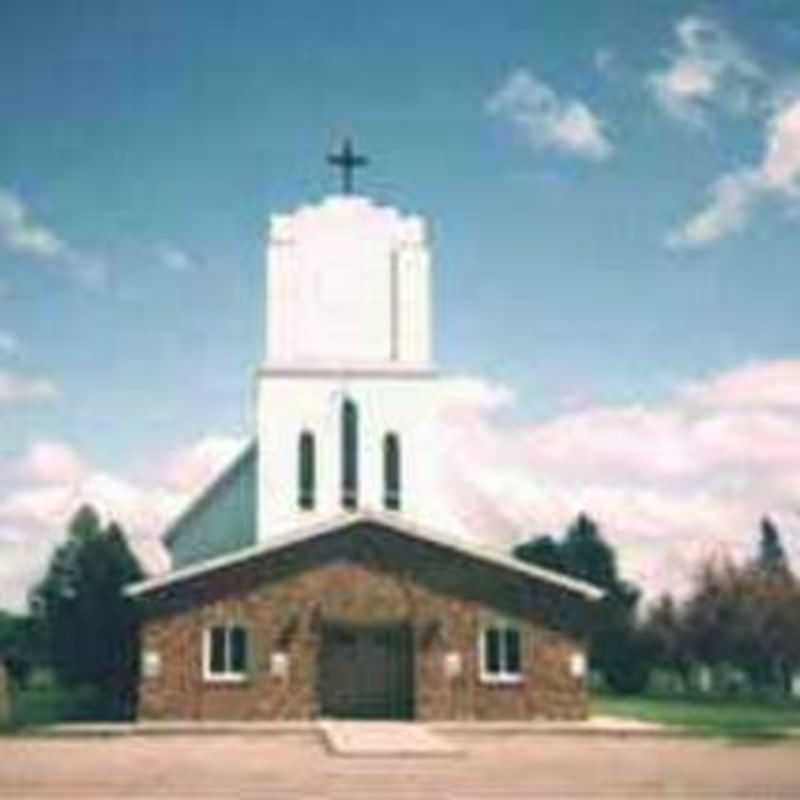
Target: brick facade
361 574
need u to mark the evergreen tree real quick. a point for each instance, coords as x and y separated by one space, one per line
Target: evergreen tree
771 560
21 645
587 556
90 625
543 551
618 650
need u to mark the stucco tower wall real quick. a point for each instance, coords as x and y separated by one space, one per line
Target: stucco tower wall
348 285
348 317
290 404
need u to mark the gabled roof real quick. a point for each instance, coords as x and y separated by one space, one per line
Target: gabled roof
395 522
196 506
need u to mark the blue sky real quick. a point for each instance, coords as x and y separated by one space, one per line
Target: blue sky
613 189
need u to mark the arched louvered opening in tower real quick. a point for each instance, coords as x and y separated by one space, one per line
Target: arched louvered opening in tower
391 471
349 454
307 477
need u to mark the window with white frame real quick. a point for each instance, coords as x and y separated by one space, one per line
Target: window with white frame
501 653
225 653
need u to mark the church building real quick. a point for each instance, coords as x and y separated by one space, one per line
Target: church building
314 578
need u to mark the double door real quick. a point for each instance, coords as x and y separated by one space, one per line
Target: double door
366 671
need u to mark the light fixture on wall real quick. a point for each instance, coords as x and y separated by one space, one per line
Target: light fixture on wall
432 631
315 619
289 630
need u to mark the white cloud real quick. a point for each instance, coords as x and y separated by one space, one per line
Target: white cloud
18 389
20 233
780 167
197 464
731 200
710 69
735 195
772 385
33 520
9 344
668 483
23 557
604 59
547 120
41 491
475 395
38 507
51 462
174 258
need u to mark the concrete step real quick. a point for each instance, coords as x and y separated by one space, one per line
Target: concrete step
384 739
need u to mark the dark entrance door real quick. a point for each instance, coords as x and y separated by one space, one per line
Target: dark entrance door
366 671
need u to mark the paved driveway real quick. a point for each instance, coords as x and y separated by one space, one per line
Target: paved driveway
296 766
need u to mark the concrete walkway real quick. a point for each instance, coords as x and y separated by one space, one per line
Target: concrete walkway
353 739
178 727
597 726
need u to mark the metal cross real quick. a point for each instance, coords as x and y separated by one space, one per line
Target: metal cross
347 161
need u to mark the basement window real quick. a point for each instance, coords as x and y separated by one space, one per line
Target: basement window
501 653
225 653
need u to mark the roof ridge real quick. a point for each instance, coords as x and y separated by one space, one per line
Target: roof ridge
394 521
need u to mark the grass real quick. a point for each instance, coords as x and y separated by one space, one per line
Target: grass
50 704
735 719
732 719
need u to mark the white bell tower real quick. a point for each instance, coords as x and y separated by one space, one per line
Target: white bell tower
347 390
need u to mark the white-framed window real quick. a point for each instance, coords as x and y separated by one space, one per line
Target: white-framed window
500 649
225 653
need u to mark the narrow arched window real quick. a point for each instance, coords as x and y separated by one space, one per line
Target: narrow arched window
306 477
349 454
391 471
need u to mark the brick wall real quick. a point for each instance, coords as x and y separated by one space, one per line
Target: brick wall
362 575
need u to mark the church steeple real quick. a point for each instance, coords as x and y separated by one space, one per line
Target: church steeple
347 389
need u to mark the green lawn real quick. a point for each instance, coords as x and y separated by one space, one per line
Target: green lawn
731 718
50 704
